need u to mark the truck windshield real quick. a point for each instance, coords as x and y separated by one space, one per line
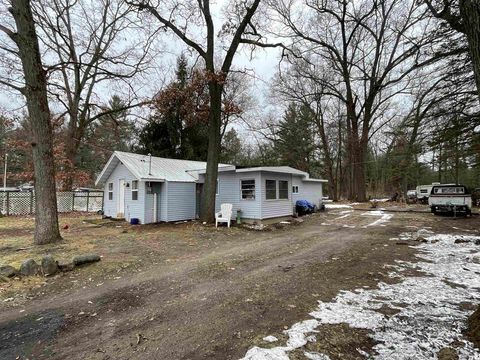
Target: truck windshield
449 190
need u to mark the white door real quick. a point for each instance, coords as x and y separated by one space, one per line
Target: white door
121 199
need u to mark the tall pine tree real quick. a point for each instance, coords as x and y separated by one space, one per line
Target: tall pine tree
295 140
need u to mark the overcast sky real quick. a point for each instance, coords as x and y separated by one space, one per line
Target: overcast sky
261 65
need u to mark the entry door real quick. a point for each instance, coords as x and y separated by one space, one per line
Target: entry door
121 199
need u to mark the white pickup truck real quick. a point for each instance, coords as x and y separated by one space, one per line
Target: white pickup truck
450 199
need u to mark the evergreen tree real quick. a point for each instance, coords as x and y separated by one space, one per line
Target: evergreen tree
295 140
178 126
231 148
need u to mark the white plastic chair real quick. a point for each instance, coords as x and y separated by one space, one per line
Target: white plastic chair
224 215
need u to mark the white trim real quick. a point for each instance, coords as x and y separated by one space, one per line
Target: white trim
276 189
254 189
132 190
288 189
110 191
155 207
120 197
114 155
104 169
315 180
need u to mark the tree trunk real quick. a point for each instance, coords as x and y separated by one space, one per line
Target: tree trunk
213 156
46 218
359 181
470 13
332 183
71 149
358 150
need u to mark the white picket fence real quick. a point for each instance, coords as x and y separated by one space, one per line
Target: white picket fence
23 203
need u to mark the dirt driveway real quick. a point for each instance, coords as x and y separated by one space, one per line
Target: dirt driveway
192 292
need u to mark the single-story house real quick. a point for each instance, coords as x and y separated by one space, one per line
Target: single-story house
154 189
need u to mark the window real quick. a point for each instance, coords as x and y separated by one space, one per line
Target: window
271 189
283 189
247 188
134 189
110 191
295 189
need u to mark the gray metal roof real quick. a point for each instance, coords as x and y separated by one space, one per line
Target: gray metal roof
162 169
275 169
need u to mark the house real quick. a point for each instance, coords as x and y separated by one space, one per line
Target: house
154 189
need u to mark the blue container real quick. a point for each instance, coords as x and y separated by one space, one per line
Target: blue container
134 221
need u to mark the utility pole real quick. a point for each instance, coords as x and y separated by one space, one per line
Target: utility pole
5 185
5 174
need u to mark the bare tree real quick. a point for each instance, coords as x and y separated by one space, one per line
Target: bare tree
463 16
91 45
193 23
35 91
371 51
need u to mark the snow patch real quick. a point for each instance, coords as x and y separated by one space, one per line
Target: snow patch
338 206
426 315
342 217
270 339
316 356
384 218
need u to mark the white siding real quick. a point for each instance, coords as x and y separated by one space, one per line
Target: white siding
279 207
181 200
229 192
133 208
163 200
311 191
149 203
297 181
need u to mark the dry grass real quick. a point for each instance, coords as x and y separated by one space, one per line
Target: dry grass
81 234
120 245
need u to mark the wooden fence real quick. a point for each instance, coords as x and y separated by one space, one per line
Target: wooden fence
23 203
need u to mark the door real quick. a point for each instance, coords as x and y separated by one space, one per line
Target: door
121 199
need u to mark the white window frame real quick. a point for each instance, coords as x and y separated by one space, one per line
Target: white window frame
278 192
295 189
110 191
135 189
254 190
266 190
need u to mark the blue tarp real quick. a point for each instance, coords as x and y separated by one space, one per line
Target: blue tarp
305 205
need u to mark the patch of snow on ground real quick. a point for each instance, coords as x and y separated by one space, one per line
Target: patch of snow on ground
270 338
315 356
384 217
429 315
338 206
344 214
380 200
